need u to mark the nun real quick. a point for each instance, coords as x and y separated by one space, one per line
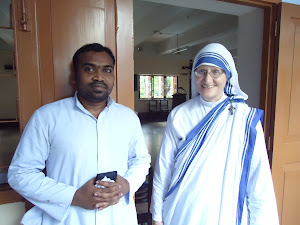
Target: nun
212 168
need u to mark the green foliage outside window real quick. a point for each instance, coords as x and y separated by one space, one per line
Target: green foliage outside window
157 86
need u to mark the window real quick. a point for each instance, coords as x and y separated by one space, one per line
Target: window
157 86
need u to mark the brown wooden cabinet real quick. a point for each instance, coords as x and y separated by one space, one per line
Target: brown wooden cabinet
9 119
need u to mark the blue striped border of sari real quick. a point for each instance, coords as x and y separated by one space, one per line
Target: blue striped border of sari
228 88
250 137
197 136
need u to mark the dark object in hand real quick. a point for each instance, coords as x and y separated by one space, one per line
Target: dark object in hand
111 175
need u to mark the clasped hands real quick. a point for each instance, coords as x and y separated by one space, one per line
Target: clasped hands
91 197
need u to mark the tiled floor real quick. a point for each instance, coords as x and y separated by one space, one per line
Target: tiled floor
153 132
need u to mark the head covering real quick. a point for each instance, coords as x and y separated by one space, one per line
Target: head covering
215 54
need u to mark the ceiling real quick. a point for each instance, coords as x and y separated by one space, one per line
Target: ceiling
169 25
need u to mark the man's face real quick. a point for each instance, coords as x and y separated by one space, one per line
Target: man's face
95 76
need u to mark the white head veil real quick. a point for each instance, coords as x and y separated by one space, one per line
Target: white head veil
217 55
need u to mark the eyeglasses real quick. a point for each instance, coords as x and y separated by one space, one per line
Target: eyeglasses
214 73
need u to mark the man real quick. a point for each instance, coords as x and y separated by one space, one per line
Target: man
75 139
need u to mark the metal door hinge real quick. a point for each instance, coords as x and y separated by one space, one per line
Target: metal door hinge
24 18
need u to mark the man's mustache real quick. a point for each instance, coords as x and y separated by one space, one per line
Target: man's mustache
95 83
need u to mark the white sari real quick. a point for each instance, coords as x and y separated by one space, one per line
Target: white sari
209 183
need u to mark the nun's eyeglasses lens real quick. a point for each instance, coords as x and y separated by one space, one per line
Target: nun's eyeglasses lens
215 73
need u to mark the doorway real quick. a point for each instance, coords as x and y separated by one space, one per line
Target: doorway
168 35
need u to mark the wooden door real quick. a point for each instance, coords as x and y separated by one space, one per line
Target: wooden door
286 151
73 24
54 30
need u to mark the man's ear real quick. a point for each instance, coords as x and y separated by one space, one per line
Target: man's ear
72 79
73 82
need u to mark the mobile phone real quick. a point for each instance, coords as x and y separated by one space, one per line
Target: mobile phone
112 175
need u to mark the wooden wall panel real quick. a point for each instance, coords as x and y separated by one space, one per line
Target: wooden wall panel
291 201
45 51
27 66
125 65
294 121
286 153
83 22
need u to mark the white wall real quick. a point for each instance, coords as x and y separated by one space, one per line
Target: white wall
249 51
12 213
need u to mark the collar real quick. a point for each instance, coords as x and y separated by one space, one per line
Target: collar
110 101
212 104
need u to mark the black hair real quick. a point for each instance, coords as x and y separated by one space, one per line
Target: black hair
94 47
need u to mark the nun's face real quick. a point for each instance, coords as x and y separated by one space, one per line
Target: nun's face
211 89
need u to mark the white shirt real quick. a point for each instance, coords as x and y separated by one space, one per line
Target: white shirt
75 146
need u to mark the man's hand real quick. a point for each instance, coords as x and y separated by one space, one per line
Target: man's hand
157 222
123 190
123 183
90 197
